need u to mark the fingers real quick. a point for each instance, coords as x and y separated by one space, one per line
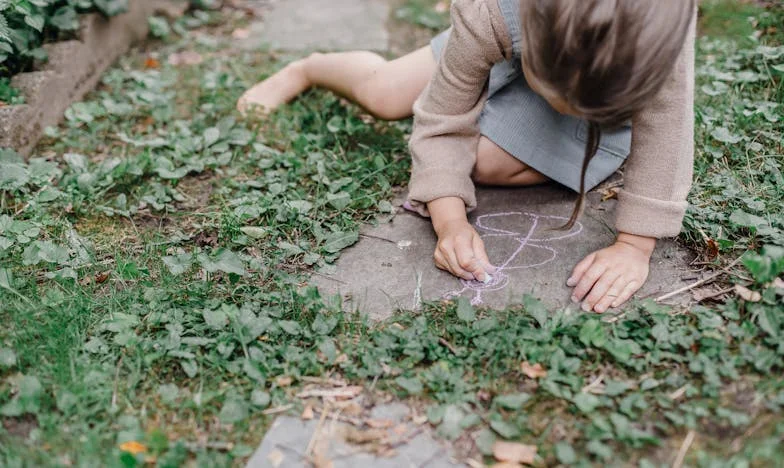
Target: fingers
446 259
587 280
580 270
611 296
626 294
600 289
481 253
468 260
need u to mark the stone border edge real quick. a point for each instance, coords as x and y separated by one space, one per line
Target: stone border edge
73 69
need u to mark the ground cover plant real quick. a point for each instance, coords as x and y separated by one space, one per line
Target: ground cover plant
153 262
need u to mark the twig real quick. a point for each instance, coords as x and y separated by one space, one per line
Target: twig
342 392
700 282
341 418
593 385
678 393
279 409
384 239
678 463
313 439
447 345
328 277
737 443
716 294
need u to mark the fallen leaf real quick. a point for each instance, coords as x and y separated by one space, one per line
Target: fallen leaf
380 423
240 33
609 194
419 420
366 436
133 447
307 414
187 57
507 465
711 249
513 452
341 359
102 277
151 63
284 381
275 458
535 371
747 294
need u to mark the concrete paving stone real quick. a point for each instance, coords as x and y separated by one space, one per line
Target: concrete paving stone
288 439
391 267
322 25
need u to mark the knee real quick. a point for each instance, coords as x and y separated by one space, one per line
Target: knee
488 170
377 94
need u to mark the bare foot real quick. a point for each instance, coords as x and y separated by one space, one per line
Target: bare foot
279 89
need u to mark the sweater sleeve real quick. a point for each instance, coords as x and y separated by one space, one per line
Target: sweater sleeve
658 174
446 135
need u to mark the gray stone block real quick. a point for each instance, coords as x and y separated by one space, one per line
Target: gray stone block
392 265
322 25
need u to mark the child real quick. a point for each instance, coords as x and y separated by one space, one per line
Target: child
518 92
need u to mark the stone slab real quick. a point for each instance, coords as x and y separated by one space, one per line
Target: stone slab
288 439
322 25
391 267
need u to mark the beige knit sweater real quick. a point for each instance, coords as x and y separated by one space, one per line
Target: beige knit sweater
444 142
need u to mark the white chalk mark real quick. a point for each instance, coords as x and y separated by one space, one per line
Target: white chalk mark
527 242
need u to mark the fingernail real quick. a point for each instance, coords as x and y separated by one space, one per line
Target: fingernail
586 307
599 310
571 282
487 279
469 277
575 299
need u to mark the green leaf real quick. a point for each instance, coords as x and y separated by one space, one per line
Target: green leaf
537 309
233 411
211 136
565 453
504 429
592 334
337 241
7 357
13 176
324 324
586 402
339 201
216 319
450 427
35 21
485 441
226 261
159 27
178 264
291 327
514 401
260 398
723 135
411 385
465 311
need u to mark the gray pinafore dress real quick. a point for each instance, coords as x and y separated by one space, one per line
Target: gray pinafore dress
522 123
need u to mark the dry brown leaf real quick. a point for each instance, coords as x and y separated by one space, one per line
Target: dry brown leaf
102 277
307 413
712 249
400 429
133 447
152 63
507 465
284 381
187 57
275 458
380 423
513 452
609 194
535 371
364 436
341 359
419 419
240 33
747 294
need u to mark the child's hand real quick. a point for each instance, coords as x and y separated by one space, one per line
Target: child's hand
609 277
461 251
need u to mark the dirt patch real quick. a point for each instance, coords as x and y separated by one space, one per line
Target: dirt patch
21 426
405 37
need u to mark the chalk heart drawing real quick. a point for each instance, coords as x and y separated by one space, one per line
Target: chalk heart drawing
532 237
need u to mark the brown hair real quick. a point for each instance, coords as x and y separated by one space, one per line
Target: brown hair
605 58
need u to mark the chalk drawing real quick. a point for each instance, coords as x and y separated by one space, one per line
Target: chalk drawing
536 236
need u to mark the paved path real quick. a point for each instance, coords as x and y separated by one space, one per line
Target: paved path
392 268
305 25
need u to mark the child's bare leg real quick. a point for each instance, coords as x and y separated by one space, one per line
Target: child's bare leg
494 166
386 89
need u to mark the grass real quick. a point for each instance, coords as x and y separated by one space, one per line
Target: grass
154 255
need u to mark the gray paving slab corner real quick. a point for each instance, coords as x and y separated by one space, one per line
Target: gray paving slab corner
392 268
322 25
287 444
